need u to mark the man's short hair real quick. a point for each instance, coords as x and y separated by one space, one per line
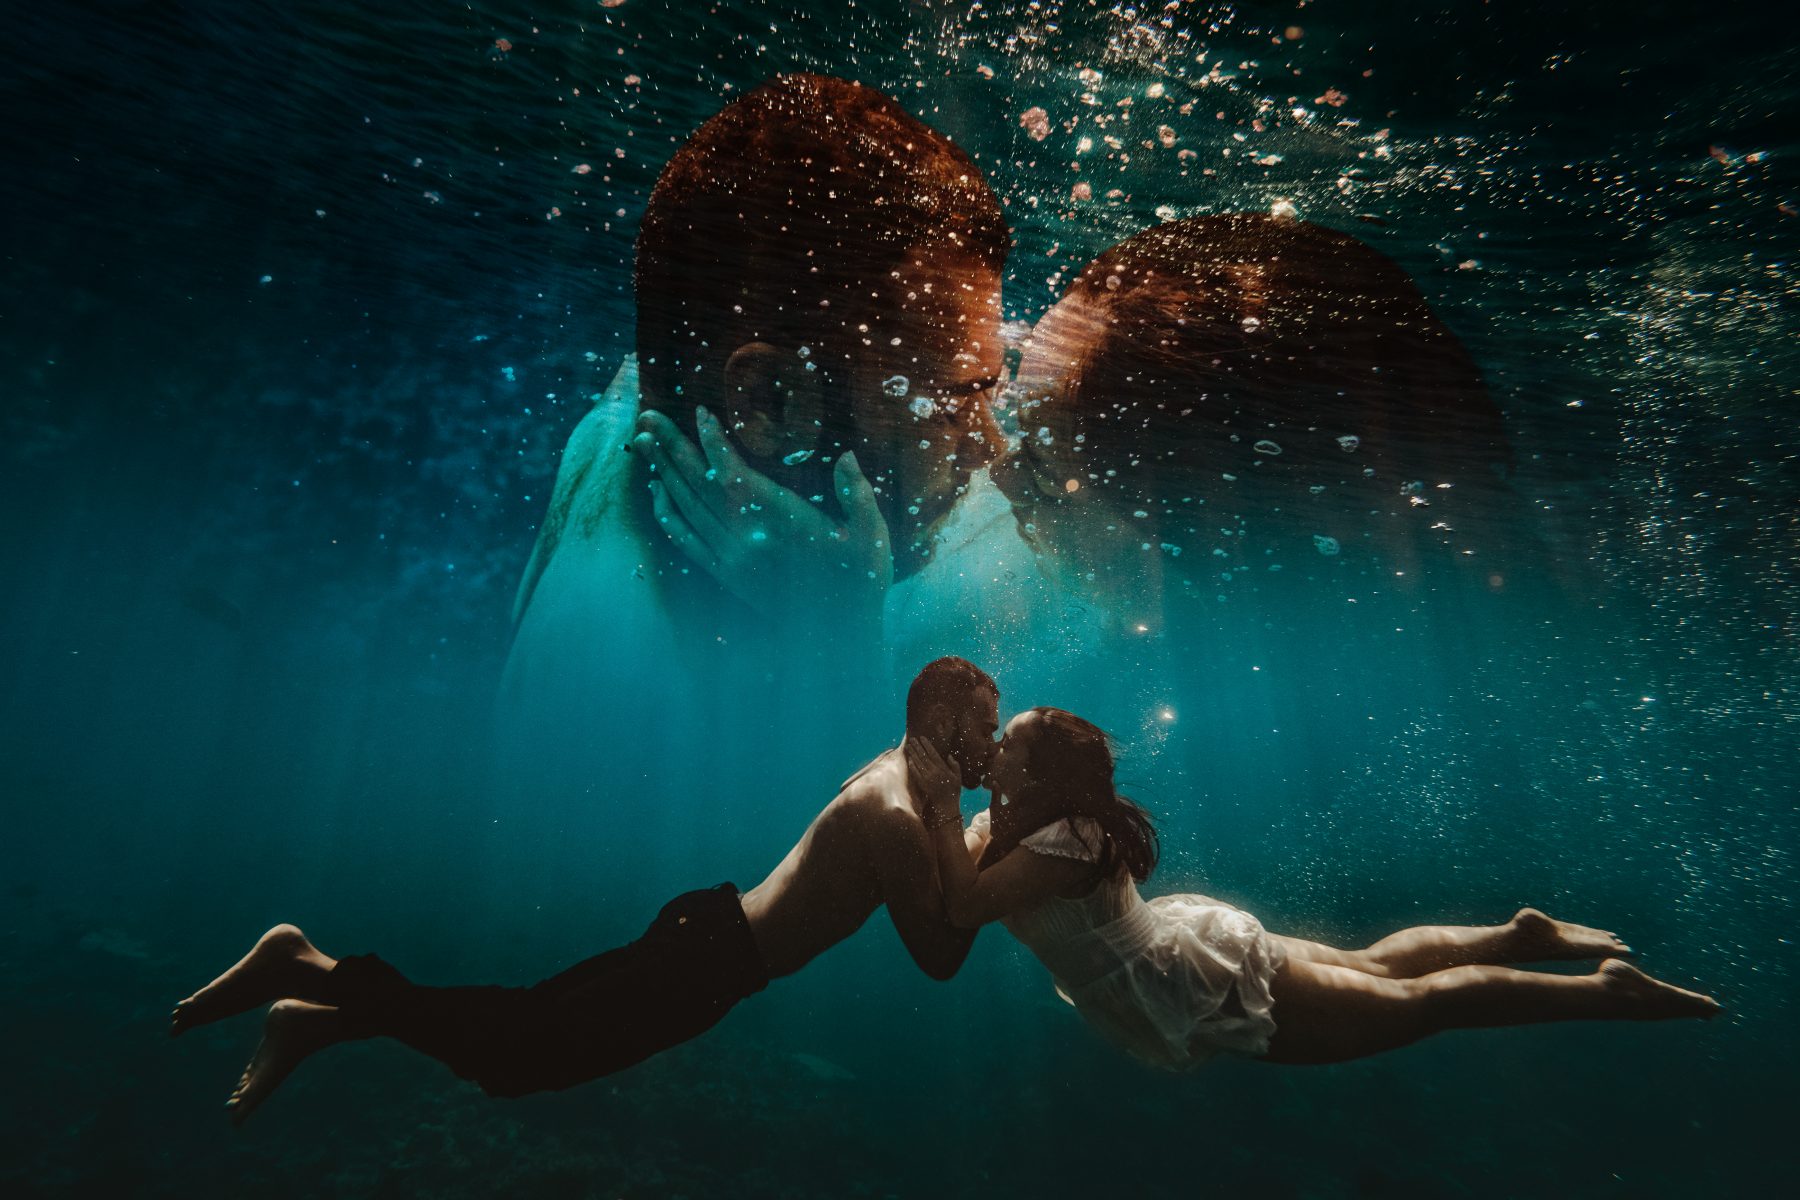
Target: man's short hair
948 682
779 217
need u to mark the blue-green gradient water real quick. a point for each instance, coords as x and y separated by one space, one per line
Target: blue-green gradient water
299 304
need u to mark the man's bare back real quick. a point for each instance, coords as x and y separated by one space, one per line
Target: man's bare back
868 847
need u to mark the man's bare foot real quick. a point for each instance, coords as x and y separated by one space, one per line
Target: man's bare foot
282 965
292 1030
1652 999
1540 938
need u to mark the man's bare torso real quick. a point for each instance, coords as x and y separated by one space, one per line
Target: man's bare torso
845 867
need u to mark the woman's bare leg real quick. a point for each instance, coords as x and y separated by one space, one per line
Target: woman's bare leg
282 965
1326 1013
1529 937
1319 952
293 1030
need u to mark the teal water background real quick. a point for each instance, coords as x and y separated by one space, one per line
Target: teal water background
298 306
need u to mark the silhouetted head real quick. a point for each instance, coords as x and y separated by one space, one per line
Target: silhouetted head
1242 373
956 706
1052 764
822 270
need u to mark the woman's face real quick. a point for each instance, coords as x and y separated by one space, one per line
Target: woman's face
1010 780
1062 510
1009 769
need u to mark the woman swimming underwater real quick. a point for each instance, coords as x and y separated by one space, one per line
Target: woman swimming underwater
1179 979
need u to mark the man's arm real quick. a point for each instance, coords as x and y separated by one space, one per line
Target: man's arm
907 868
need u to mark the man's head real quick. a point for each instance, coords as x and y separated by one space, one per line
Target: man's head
822 270
956 705
1274 371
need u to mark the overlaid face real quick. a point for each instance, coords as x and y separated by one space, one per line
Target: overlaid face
922 392
1060 507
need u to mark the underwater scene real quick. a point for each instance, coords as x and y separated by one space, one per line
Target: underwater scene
996 598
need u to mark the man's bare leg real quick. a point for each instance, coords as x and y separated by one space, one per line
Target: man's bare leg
1530 936
293 1030
282 965
1327 1014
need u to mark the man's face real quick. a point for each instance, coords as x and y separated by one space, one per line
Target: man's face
920 393
975 739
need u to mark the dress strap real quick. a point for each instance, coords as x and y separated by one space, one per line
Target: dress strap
1080 838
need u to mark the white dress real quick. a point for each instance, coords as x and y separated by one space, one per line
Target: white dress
1172 981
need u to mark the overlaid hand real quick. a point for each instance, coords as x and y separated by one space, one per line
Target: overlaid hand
935 781
768 546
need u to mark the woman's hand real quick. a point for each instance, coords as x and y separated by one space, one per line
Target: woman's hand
935 781
771 548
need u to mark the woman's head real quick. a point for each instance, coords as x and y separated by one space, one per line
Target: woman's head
1241 375
1052 764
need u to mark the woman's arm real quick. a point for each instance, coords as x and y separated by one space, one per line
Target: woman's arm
973 897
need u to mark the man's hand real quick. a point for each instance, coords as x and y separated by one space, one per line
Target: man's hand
935 781
766 545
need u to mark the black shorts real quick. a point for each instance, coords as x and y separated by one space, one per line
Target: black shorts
695 962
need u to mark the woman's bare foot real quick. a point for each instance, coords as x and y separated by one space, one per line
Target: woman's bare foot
1540 938
1652 999
292 1030
282 965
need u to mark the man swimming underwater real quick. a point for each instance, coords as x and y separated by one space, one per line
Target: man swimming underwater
705 951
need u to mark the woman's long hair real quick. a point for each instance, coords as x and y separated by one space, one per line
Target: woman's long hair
1069 764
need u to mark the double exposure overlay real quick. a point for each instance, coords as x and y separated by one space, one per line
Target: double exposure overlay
1030 597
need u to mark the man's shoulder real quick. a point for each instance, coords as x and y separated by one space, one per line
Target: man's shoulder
878 791
872 776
